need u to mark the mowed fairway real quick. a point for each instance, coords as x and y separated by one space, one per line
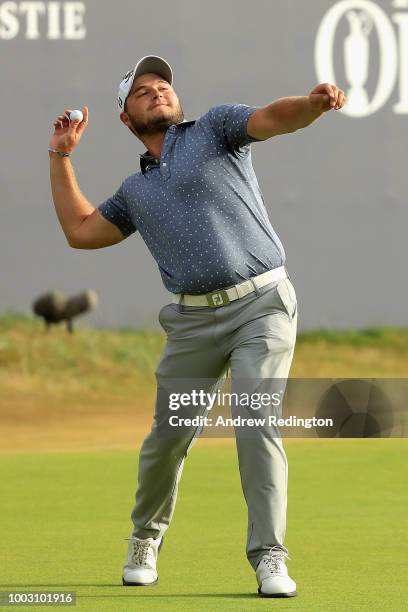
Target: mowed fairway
64 519
73 412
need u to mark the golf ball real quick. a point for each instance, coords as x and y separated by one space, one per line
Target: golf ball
76 115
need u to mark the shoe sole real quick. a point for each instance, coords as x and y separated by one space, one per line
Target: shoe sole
292 594
139 584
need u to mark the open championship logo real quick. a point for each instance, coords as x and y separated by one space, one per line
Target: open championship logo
363 17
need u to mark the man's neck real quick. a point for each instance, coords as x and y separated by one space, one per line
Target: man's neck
154 143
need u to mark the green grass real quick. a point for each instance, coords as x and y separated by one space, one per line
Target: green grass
396 337
121 363
64 518
88 361
384 336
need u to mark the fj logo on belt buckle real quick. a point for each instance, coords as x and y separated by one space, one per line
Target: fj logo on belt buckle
217 298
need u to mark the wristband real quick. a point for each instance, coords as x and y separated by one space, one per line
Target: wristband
60 153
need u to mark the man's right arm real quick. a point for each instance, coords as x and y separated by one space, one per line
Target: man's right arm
82 223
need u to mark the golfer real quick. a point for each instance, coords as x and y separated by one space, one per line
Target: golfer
197 205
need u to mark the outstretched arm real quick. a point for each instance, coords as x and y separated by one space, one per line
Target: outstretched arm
290 114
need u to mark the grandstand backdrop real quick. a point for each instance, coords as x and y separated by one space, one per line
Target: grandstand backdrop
336 192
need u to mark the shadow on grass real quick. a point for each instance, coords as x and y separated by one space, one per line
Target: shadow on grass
182 595
131 591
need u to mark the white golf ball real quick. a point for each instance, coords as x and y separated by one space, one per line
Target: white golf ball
76 115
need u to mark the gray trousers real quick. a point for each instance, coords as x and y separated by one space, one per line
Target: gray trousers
253 337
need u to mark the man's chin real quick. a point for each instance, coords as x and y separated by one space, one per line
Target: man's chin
163 115
160 122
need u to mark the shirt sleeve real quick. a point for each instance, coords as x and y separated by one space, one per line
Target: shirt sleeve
115 210
229 122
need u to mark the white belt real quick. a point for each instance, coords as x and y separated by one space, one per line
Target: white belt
221 297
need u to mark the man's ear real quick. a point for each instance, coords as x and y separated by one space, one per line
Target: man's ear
124 118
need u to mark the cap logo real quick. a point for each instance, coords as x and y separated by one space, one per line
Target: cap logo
127 76
120 101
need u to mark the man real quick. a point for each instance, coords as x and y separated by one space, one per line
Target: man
198 206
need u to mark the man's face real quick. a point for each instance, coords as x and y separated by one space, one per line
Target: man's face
151 106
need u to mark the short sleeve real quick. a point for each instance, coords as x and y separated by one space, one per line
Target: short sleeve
115 210
229 122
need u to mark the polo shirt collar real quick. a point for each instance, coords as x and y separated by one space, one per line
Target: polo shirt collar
148 161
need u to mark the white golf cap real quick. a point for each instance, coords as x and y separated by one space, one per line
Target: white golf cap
149 63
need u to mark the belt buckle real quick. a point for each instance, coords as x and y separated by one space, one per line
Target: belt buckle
215 299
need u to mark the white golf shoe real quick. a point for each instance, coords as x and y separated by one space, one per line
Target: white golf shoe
272 575
140 568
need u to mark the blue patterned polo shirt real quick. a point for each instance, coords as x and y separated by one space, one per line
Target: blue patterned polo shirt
199 207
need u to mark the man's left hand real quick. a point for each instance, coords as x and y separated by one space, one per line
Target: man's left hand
324 97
